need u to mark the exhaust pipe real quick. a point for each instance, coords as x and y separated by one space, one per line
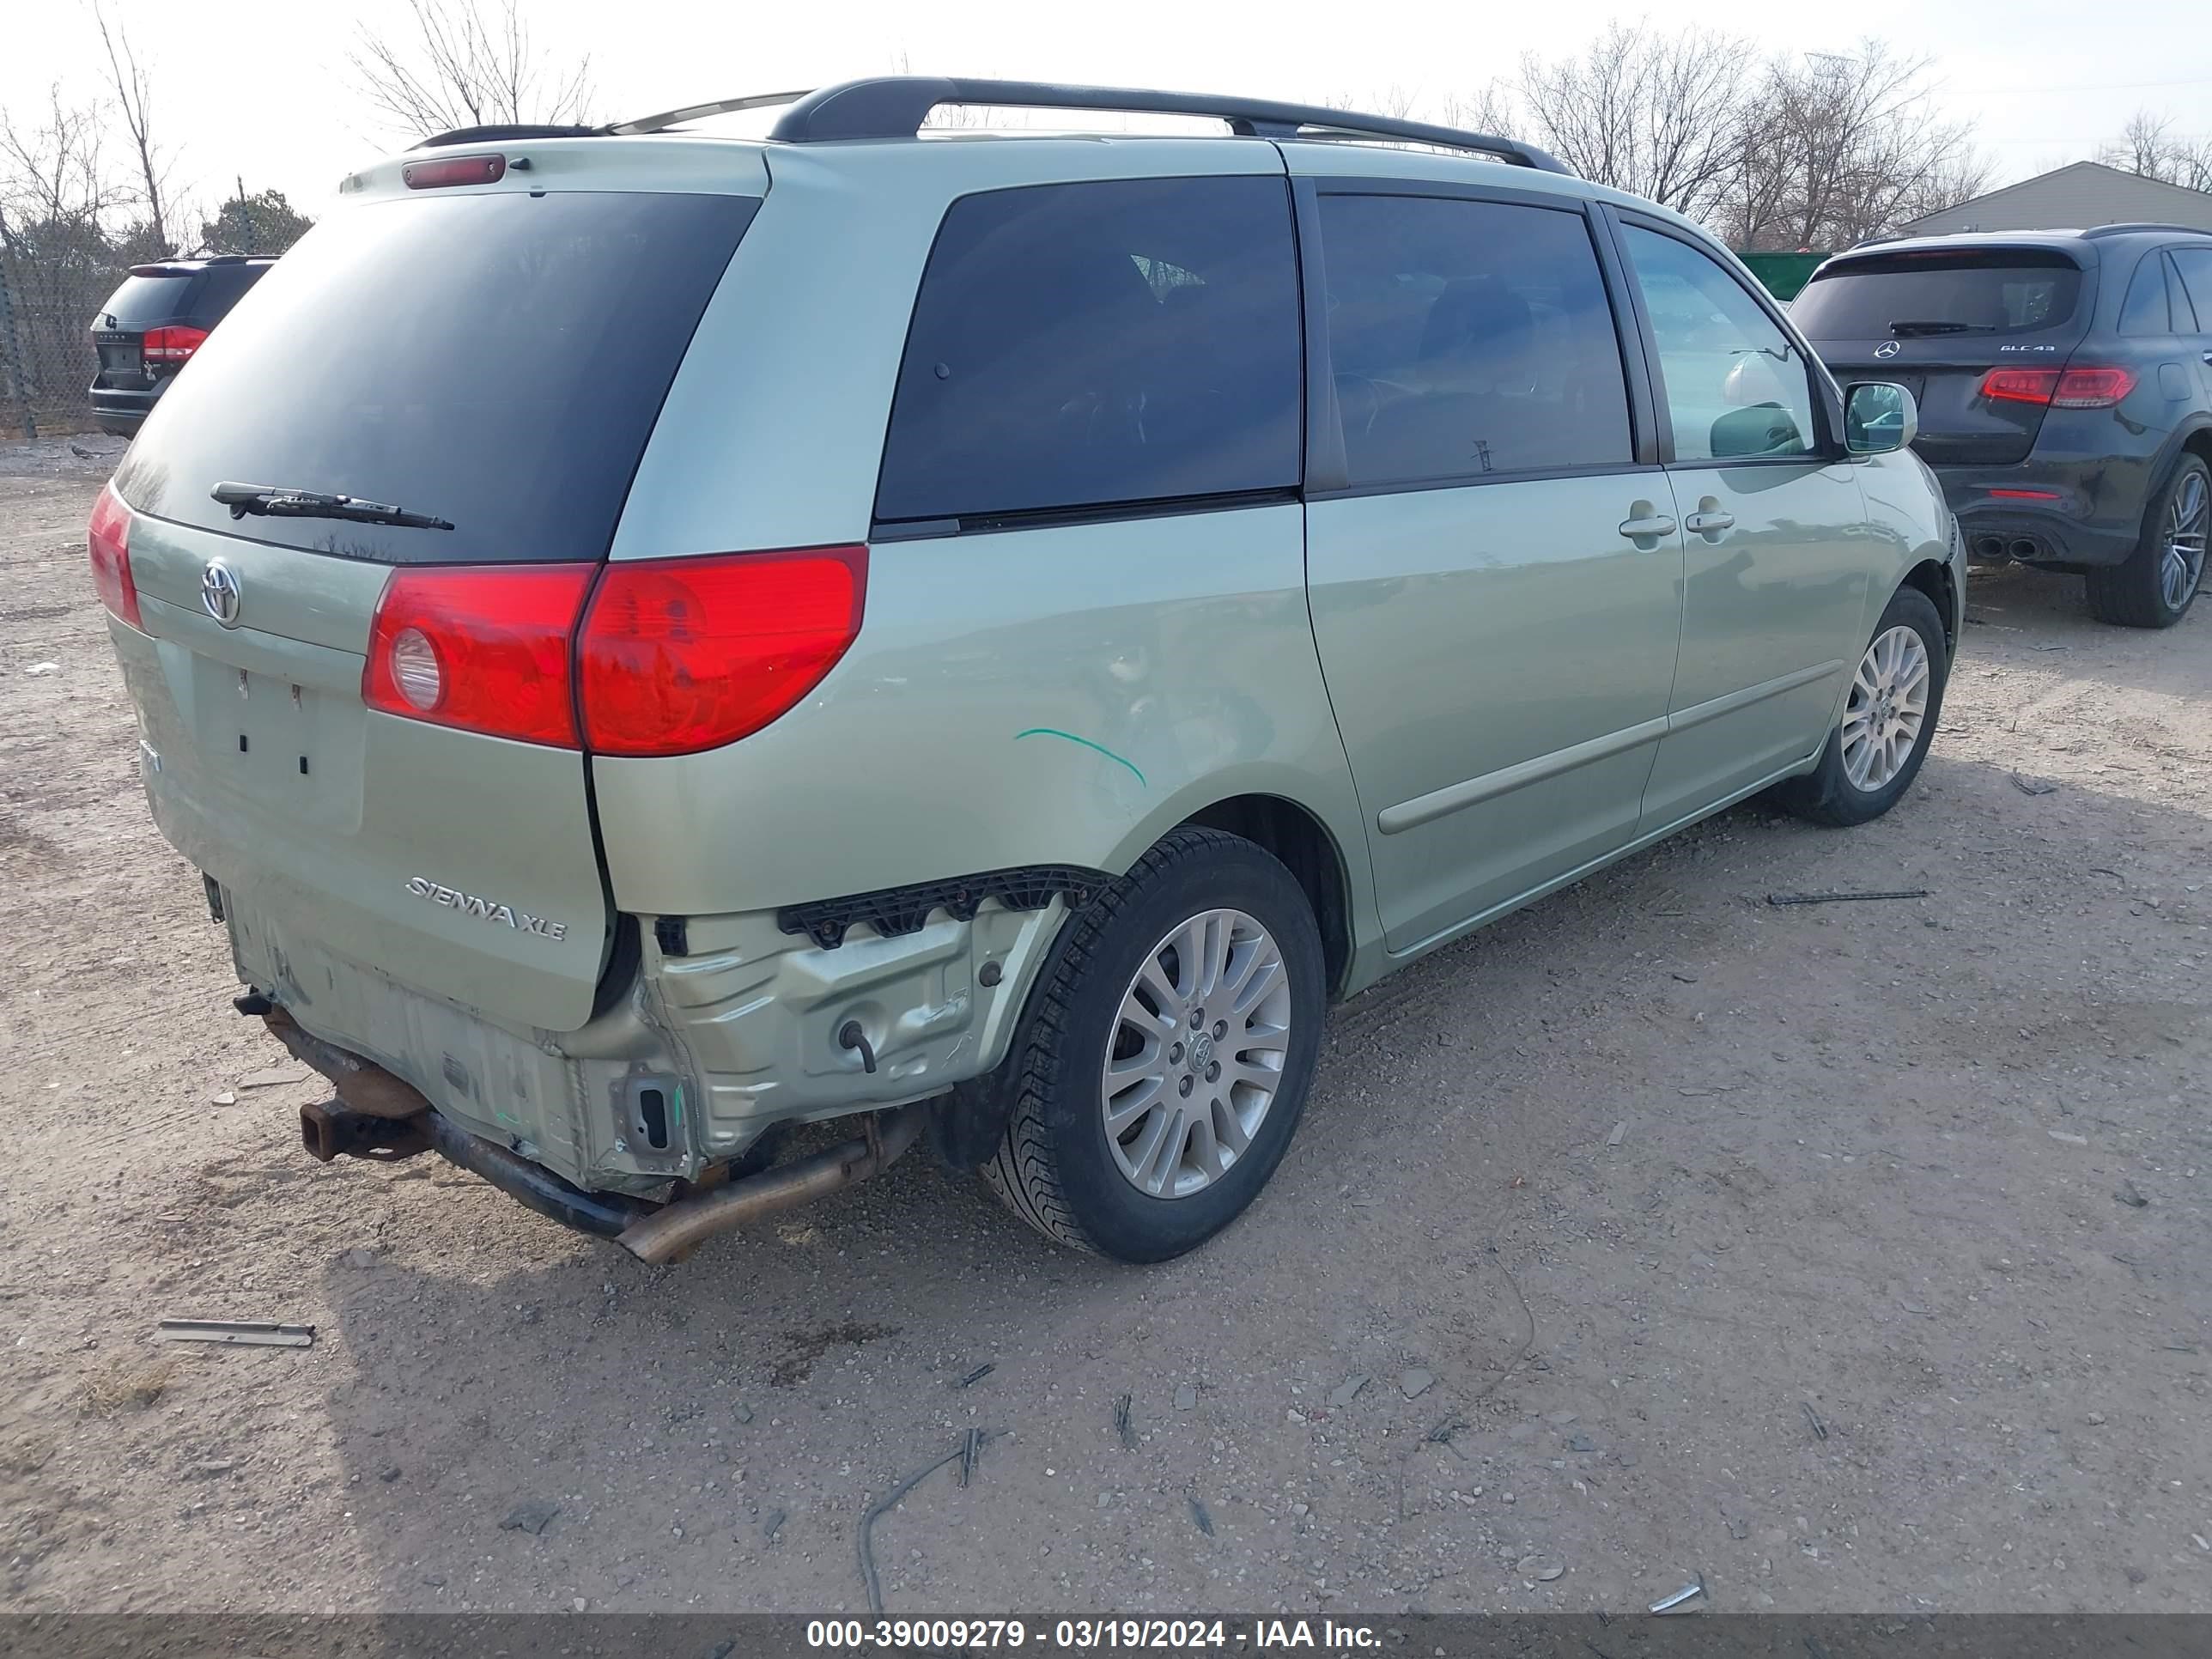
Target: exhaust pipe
1989 550
2023 550
674 1230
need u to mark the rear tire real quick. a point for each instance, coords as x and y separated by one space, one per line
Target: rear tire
1879 740
2156 585
1141 1162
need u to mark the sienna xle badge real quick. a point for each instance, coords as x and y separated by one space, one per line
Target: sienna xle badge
978 640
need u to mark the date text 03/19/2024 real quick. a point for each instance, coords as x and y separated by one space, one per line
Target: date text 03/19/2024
1095 1635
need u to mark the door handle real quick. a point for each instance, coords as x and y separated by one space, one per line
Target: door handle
1711 519
1645 525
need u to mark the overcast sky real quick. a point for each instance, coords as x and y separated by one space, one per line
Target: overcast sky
261 88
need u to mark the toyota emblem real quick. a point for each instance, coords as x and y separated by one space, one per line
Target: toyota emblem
219 593
1887 349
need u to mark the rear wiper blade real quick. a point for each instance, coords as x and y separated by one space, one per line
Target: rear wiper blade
269 501
1906 329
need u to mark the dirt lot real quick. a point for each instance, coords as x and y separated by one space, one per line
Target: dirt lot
1855 1256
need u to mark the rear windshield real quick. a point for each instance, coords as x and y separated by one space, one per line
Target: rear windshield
1989 291
497 361
144 300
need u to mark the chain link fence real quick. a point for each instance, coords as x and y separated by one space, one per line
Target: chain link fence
48 299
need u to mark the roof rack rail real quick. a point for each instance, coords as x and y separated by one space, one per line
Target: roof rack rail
494 135
896 105
2144 224
669 117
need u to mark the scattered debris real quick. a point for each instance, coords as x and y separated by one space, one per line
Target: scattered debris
1417 1382
38 671
81 452
1122 1426
2131 1195
214 1466
1843 898
977 1374
2033 786
744 1413
1675 1603
1198 1515
1619 1134
1348 1390
533 1516
1186 1398
1820 1429
1541 1568
252 1332
357 1257
2069 1137
1581 1443
773 1524
270 1077
225 1097
129 1385
964 1454
388 1473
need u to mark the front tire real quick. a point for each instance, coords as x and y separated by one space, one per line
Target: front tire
2154 586
1167 1054
1888 720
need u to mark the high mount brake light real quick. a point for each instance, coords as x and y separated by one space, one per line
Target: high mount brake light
454 170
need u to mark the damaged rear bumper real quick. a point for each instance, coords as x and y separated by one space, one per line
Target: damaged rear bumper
376 1115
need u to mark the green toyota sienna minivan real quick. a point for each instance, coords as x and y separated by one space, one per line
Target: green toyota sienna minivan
652 638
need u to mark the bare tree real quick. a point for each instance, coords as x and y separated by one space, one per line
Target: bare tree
133 83
468 67
51 168
2149 146
1837 147
1660 114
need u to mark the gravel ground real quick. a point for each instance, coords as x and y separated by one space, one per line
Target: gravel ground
1854 1256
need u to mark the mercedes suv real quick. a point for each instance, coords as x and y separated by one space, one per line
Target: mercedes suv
978 636
2064 380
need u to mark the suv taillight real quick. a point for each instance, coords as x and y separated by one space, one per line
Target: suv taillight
671 656
679 655
173 344
484 648
2066 388
108 539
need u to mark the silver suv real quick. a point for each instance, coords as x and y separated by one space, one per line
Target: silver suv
655 638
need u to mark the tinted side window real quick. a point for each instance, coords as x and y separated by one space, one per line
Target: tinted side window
1733 383
2195 264
1468 338
144 301
1080 345
2146 311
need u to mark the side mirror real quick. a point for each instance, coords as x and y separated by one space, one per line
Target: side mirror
1879 416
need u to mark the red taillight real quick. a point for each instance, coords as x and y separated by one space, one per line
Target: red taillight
108 539
2093 388
2020 385
484 648
173 344
2026 496
454 170
2070 388
679 655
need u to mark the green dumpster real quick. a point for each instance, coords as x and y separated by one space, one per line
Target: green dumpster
1784 274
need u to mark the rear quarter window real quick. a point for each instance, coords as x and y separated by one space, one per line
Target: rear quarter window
1994 291
1082 345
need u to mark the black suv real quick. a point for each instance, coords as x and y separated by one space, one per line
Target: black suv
151 325
2065 387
